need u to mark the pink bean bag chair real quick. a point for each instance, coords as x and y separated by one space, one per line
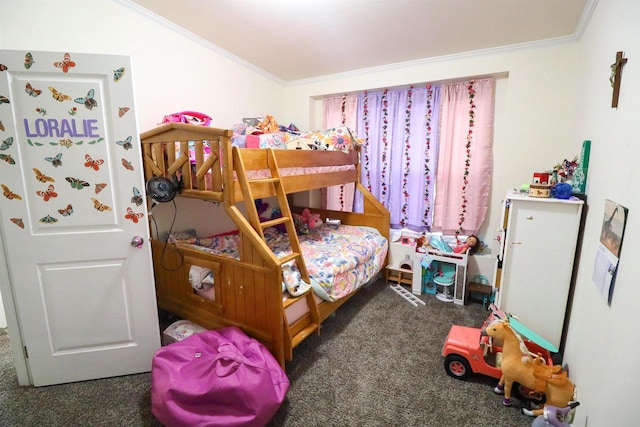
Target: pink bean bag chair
216 378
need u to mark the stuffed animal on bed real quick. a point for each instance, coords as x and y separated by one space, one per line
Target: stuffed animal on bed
306 221
267 212
268 125
312 219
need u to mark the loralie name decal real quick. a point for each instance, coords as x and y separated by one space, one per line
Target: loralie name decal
61 128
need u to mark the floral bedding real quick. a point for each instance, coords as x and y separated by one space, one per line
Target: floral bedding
340 139
339 259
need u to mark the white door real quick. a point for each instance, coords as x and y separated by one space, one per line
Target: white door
72 203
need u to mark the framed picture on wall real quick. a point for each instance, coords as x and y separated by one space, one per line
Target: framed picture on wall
607 258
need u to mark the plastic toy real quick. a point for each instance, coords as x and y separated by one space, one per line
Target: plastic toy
471 244
468 352
420 244
562 190
520 365
312 219
267 212
554 416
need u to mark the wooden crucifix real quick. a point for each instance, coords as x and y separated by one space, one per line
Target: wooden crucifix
616 76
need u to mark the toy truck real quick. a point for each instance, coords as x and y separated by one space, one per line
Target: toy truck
466 352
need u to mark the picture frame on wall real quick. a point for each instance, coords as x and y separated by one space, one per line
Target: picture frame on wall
610 244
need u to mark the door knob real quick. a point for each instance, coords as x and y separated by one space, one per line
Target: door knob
137 242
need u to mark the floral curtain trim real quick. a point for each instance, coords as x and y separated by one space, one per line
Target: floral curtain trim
467 161
365 146
385 149
427 156
407 159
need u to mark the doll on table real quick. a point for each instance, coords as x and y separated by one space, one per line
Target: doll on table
469 246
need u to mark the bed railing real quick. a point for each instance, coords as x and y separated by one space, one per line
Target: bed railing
166 149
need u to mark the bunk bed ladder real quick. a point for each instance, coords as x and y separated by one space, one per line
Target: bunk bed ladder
287 220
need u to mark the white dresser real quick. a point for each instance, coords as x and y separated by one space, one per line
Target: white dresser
537 253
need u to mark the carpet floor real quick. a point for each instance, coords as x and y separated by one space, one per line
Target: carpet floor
377 362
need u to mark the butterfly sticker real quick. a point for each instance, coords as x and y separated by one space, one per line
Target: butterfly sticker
126 144
66 143
9 194
31 91
122 111
100 187
4 100
7 158
137 197
117 74
28 60
48 194
59 96
55 161
6 143
90 163
88 100
66 211
133 216
127 164
42 177
3 67
18 222
65 64
48 220
100 206
77 183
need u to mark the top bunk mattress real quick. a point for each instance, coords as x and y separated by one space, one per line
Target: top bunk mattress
339 259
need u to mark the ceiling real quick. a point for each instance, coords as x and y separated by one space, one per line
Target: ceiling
305 39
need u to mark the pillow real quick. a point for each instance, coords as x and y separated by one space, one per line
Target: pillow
178 236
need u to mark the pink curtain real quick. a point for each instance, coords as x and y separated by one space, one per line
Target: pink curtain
465 161
339 111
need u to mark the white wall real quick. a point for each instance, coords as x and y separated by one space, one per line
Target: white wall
603 341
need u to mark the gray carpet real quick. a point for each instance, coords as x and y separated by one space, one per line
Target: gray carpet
377 362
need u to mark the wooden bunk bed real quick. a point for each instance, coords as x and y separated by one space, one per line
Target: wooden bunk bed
248 291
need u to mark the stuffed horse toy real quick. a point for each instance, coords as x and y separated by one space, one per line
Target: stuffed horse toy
519 365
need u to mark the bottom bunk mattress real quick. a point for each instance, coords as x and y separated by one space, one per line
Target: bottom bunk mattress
339 259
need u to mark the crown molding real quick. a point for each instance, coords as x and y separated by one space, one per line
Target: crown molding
165 22
585 18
